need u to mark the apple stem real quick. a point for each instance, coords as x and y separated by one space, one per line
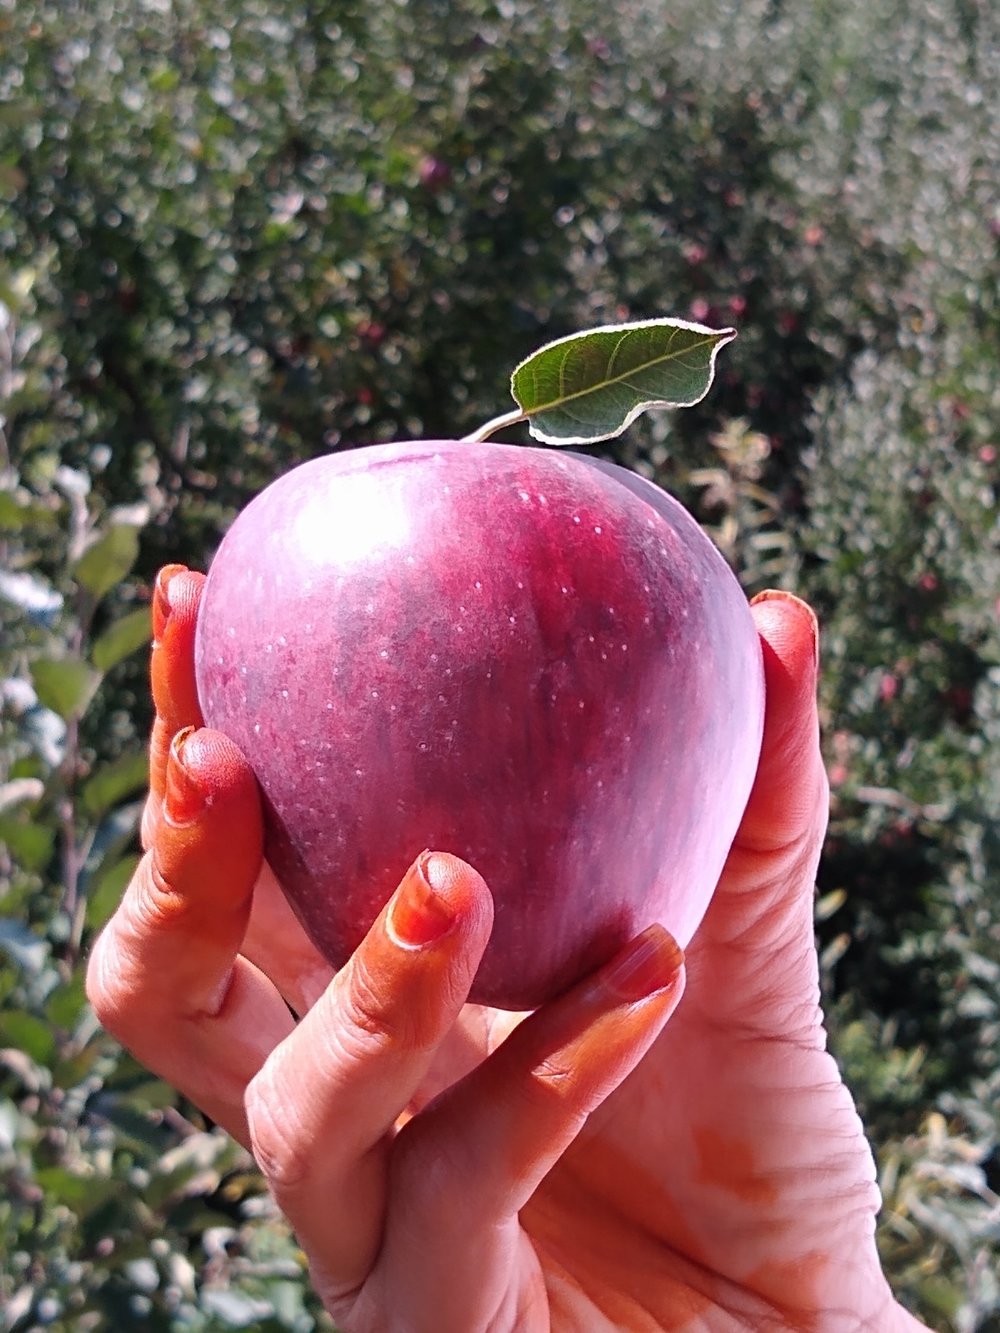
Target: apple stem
492 426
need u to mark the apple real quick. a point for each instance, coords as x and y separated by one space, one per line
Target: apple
529 658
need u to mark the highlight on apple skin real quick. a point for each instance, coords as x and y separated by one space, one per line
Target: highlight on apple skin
531 659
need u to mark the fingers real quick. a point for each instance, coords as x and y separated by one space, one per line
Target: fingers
469 1163
165 976
452 1181
754 954
274 941
321 1109
176 597
511 1118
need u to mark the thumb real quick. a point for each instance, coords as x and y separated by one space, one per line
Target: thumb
756 946
789 798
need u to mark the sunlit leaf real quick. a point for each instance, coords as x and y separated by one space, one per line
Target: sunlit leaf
65 685
590 386
114 781
19 511
30 594
20 791
122 638
234 1308
106 561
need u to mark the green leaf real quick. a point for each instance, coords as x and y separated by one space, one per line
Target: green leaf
67 1002
82 1193
30 842
106 890
66 685
28 1033
105 563
121 639
112 782
19 510
590 386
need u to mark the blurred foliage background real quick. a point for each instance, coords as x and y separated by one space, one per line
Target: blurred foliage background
233 237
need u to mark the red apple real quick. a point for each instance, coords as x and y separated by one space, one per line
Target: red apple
531 659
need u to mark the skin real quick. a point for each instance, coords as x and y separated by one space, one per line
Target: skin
667 1146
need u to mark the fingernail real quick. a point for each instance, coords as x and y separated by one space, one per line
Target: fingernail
804 610
419 915
184 799
652 963
161 599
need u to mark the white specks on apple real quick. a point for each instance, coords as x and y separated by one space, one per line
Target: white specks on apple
546 759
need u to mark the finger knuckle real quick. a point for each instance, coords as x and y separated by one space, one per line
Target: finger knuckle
365 1023
108 995
282 1151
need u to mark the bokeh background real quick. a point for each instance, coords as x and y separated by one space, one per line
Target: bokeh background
234 236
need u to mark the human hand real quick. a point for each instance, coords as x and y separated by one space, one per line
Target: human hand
604 1163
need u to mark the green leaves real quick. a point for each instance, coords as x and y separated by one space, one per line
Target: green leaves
130 632
592 385
107 560
66 685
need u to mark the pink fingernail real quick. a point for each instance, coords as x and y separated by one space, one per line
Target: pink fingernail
184 798
161 599
418 915
651 963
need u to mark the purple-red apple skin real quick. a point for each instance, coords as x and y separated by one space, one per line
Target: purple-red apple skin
531 659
